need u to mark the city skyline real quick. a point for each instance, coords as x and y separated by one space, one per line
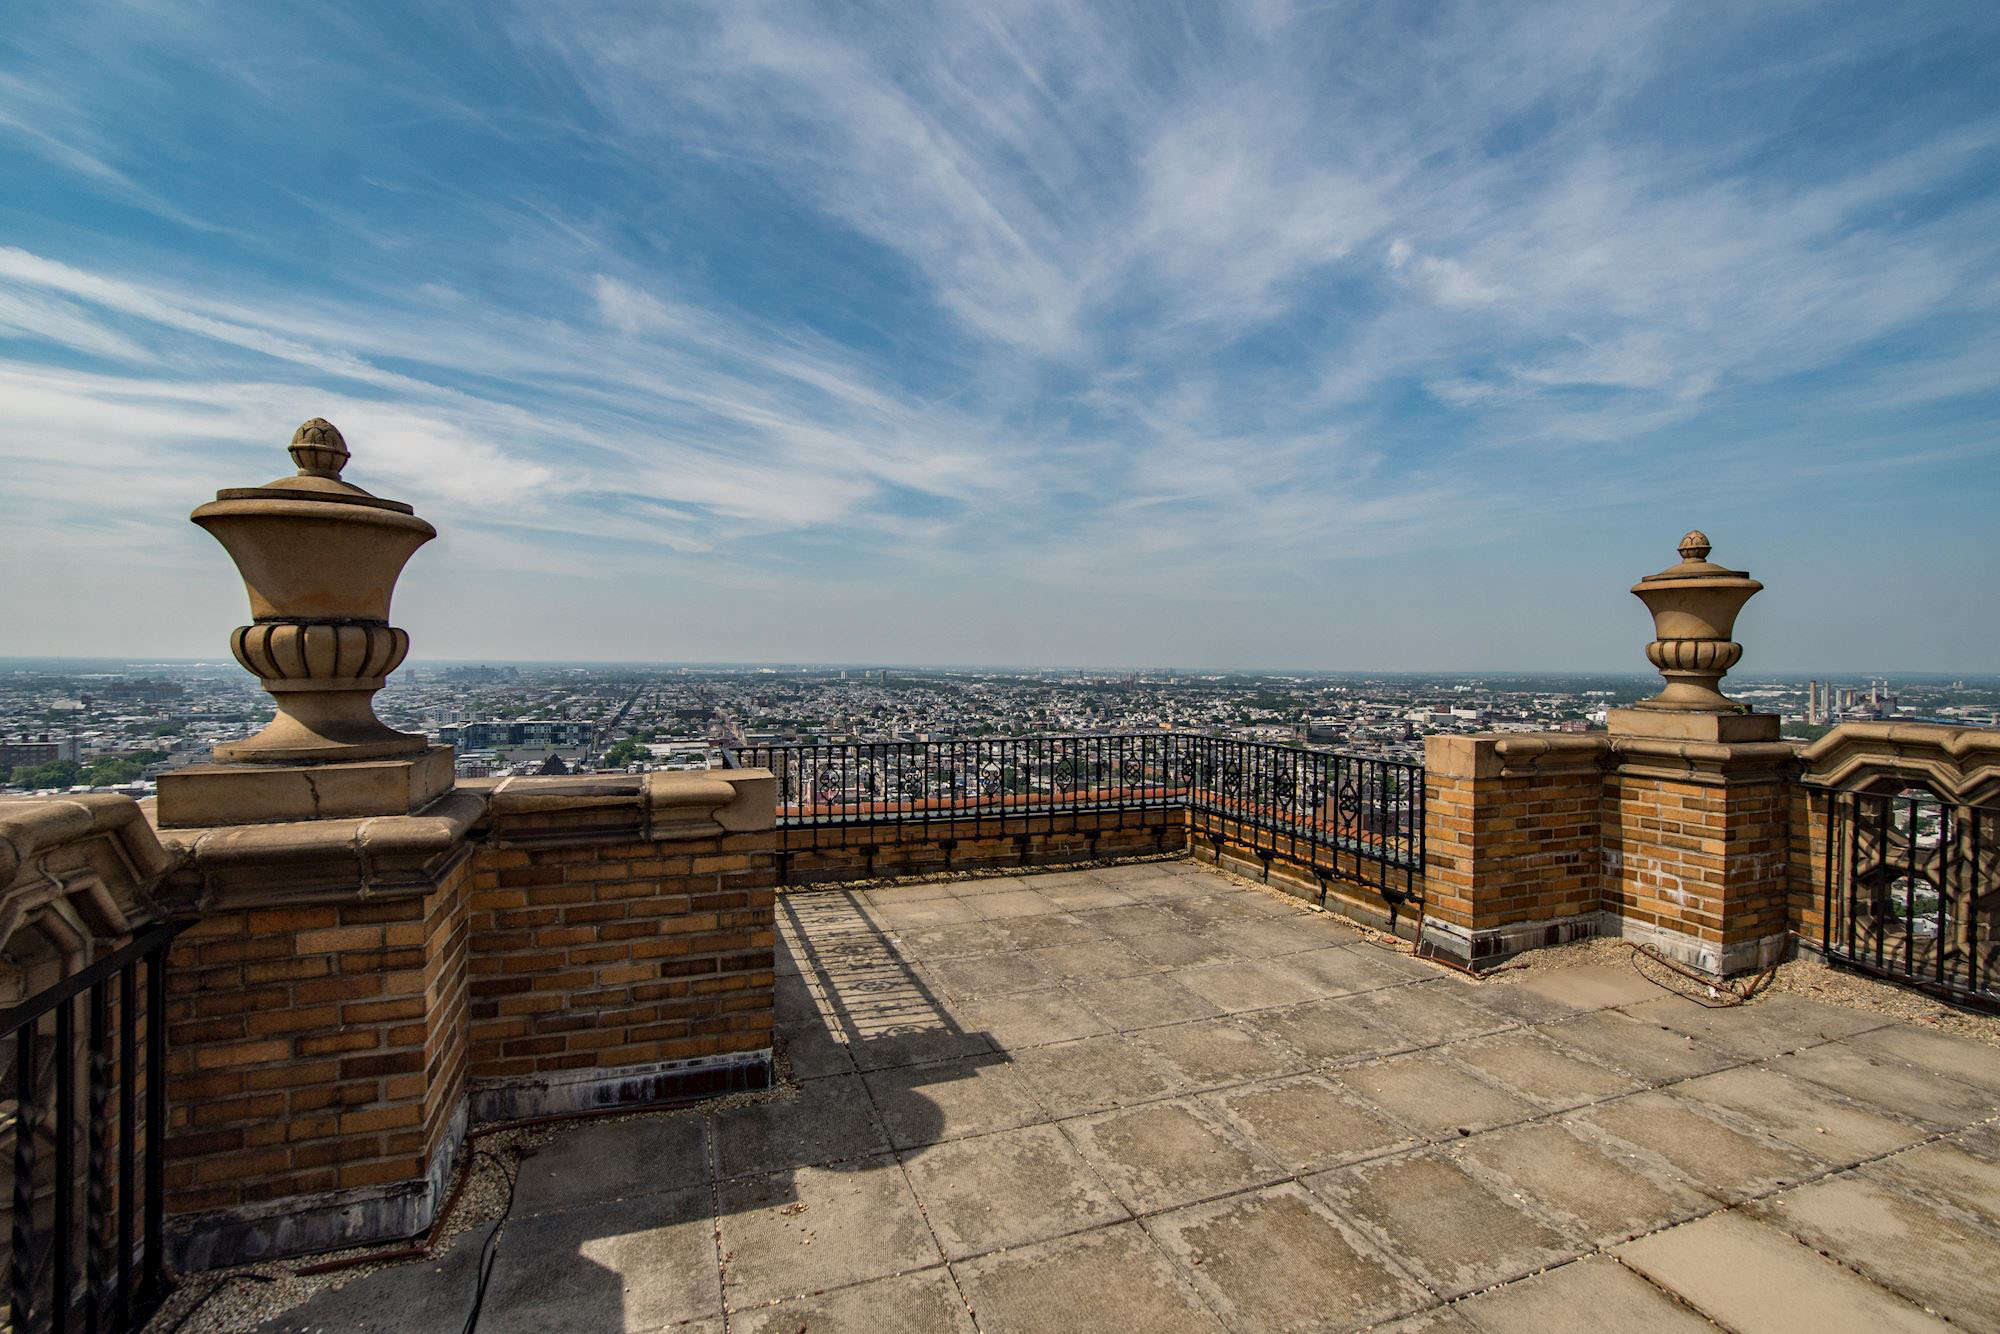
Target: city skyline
1357 339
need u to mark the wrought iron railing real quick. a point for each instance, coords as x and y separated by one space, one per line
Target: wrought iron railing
1911 890
1349 816
88 1117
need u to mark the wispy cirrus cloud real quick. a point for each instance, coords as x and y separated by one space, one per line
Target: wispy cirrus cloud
931 305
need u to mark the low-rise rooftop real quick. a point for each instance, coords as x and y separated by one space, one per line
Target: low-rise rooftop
1150 1097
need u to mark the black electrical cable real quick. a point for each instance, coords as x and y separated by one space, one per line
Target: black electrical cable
490 1251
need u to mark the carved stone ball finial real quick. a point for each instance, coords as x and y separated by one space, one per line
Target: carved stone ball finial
1694 546
319 449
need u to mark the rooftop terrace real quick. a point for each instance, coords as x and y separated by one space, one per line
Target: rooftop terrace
295 1005
1151 1097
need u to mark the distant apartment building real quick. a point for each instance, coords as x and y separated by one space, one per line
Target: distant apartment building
521 734
20 752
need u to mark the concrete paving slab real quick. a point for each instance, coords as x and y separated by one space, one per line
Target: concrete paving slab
1247 985
1961 1059
936 1040
1437 1320
1097 960
1592 987
813 1052
813 1228
795 1000
953 942
1276 900
1649 1052
827 1119
989 975
1185 948
1449 1230
1582 1298
896 913
1512 1001
627 1266
1279 1259
1139 919
1428 1013
1209 1053
1892 1086
1008 1189
1013 903
1600 1193
1541 1071
1047 931
1769 1026
1331 1032
923 1303
1728 1164
917 893
1145 1001
922 1104
1904 1244
423 1297
1307 1125
1109 1279
1750 1277
1082 895
1164 1154
1945 1172
1032 1019
1341 970
980 884
1074 1078
1271 937
1802 1114
1433 1096
609 1160
1202 911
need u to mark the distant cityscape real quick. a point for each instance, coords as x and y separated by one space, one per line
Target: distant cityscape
84 724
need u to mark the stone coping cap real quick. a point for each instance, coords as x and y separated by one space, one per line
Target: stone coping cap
1548 754
31 826
685 804
1959 763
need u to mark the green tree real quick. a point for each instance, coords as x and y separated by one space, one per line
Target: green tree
56 773
623 753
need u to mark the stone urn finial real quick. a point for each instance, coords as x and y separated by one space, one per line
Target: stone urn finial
1694 606
320 558
319 449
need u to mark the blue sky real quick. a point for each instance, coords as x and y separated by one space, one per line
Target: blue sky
1344 336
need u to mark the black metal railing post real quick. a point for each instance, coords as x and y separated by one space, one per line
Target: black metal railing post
67 1197
1342 817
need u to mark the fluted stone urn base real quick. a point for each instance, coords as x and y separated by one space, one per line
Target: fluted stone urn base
206 795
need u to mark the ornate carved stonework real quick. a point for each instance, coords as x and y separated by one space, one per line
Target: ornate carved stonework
1694 606
319 558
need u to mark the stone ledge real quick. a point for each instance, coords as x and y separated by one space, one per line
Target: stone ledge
316 860
1719 764
31 827
625 808
1959 763
1514 754
214 795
